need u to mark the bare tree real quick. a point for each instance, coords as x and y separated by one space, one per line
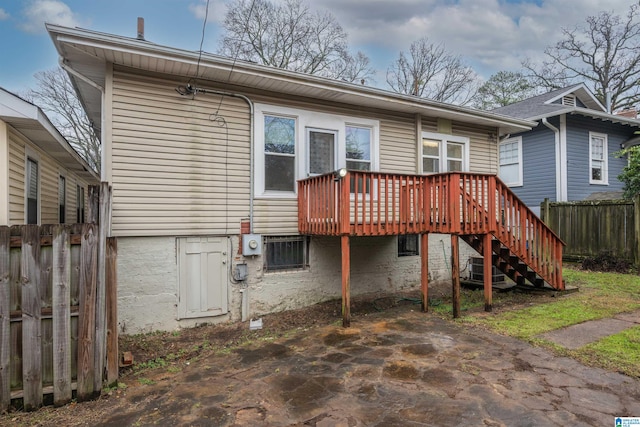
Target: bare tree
429 71
503 88
289 35
604 54
57 98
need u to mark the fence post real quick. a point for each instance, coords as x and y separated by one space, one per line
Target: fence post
61 301
31 318
111 284
87 315
546 211
636 235
5 331
101 306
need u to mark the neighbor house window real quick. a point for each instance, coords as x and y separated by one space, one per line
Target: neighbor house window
79 205
444 153
286 253
510 156
32 190
62 199
279 153
408 245
597 158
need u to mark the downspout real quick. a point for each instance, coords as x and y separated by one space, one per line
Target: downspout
556 132
251 152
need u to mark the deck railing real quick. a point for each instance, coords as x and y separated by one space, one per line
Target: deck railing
374 203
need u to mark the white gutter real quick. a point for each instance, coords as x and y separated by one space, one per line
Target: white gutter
556 132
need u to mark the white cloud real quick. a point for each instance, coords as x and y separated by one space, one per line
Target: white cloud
3 15
493 35
38 12
217 10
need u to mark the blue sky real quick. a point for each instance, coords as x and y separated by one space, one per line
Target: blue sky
490 35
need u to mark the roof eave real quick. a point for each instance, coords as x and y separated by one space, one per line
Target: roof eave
353 93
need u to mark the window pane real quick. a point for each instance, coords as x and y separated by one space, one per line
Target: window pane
510 173
454 166
321 152
32 192
408 245
358 142
62 199
286 252
279 135
431 147
279 172
430 165
358 166
597 148
509 153
454 151
596 171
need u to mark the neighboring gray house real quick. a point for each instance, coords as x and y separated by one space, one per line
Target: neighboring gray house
570 155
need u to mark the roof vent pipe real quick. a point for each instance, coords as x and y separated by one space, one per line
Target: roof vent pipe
140 28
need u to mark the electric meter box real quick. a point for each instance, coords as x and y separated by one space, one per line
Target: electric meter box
251 244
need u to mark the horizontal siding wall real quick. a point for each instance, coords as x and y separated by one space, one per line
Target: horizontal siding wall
178 167
397 155
578 172
50 171
483 150
16 177
398 149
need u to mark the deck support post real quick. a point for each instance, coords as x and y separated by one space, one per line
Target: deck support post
424 270
455 274
346 281
487 254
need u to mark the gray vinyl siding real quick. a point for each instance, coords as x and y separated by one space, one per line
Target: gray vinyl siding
539 166
180 164
578 128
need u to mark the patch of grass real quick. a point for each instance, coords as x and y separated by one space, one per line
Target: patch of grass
600 295
620 352
146 381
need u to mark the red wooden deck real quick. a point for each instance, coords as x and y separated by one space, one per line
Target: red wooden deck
478 207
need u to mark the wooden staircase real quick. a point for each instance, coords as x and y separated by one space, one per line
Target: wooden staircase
507 262
478 208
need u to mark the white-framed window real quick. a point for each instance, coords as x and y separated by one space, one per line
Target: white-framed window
510 161
62 199
80 204
598 155
292 144
32 190
443 153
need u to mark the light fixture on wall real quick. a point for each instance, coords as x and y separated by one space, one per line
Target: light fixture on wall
340 173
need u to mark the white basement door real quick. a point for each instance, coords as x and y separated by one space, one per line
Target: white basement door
202 272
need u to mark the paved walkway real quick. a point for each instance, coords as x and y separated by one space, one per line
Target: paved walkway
397 368
579 335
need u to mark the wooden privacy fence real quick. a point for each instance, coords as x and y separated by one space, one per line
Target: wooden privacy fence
58 325
590 227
